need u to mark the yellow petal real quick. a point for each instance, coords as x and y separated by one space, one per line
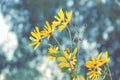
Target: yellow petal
93 59
32 38
35 35
106 54
58 19
52 58
69 15
66 55
37 29
62 59
61 14
62 64
32 44
61 27
72 62
37 45
55 23
75 51
82 78
48 25
56 48
99 56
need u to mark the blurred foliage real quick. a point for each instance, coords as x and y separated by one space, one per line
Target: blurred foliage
22 74
23 15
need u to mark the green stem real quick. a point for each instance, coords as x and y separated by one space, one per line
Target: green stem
57 42
79 39
70 36
74 27
109 72
78 44
87 78
105 73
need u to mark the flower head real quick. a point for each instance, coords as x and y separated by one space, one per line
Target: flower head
95 73
66 22
105 59
62 20
94 63
47 30
52 50
59 19
68 60
36 38
82 78
63 60
78 78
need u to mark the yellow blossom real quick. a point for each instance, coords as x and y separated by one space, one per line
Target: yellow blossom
66 22
63 60
52 50
59 19
105 59
36 38
78 78
82 78
75 78
95 73
67 60
94 63
62 20
47 30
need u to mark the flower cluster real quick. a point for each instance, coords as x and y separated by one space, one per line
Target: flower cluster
67 59
95 65
36 38
60 23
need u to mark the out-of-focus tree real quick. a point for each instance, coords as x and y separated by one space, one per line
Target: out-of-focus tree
101 16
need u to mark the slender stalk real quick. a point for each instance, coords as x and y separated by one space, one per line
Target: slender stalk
57 42
109 72
78 44
79 39
70 36
105 73
74 30
87 78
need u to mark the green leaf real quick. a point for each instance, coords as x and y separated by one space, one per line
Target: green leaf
74 74
65 69
56 55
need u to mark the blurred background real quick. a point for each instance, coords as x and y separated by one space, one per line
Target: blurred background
18 18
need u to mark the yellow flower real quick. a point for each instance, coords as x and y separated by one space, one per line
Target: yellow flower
68 60
62 20
47 30
52 50
63 60
69 16
105 59
95 73
82 78
78 78
36 38
59 19
66 22
94 63
98 61
75 78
